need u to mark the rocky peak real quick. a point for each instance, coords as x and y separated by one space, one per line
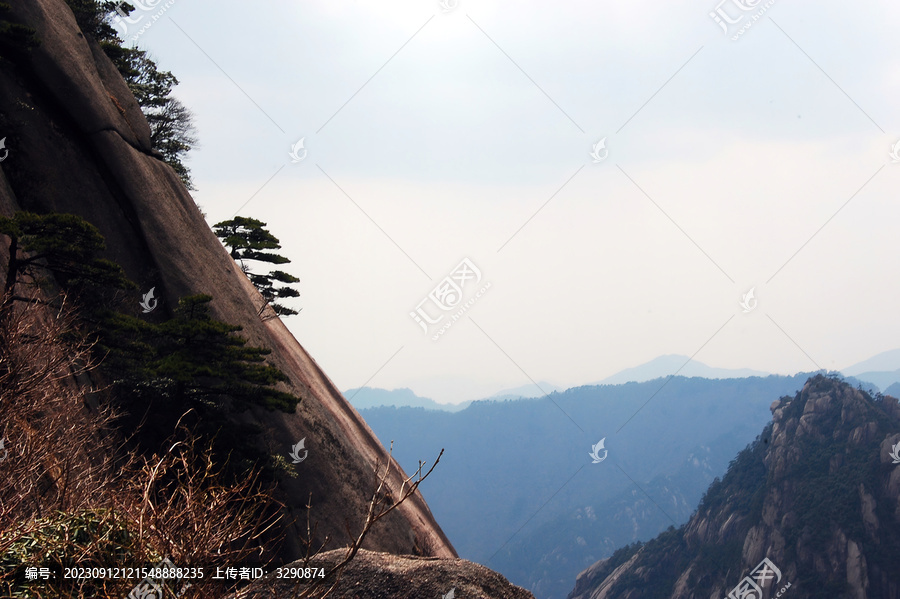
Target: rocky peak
817 494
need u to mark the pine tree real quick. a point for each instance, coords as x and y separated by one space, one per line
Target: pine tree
247 239
171 122
15 38
195 358
172 131
63 244
192 360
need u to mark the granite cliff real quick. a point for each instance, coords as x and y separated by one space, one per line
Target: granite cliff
78 143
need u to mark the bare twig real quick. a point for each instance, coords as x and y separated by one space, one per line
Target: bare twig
380 506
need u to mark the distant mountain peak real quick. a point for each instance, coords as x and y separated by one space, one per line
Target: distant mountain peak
887 361
531 390
675 364
363 398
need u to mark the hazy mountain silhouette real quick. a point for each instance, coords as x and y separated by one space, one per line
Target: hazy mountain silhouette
882 369
371 397
885 361
881 379
668 365
533 390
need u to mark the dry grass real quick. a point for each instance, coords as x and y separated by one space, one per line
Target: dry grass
74 496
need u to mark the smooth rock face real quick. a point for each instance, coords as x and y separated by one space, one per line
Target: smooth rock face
374 575
79 144
91 89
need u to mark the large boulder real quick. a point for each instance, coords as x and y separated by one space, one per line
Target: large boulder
372 575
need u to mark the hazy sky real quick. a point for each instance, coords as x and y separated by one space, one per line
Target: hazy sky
438 133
